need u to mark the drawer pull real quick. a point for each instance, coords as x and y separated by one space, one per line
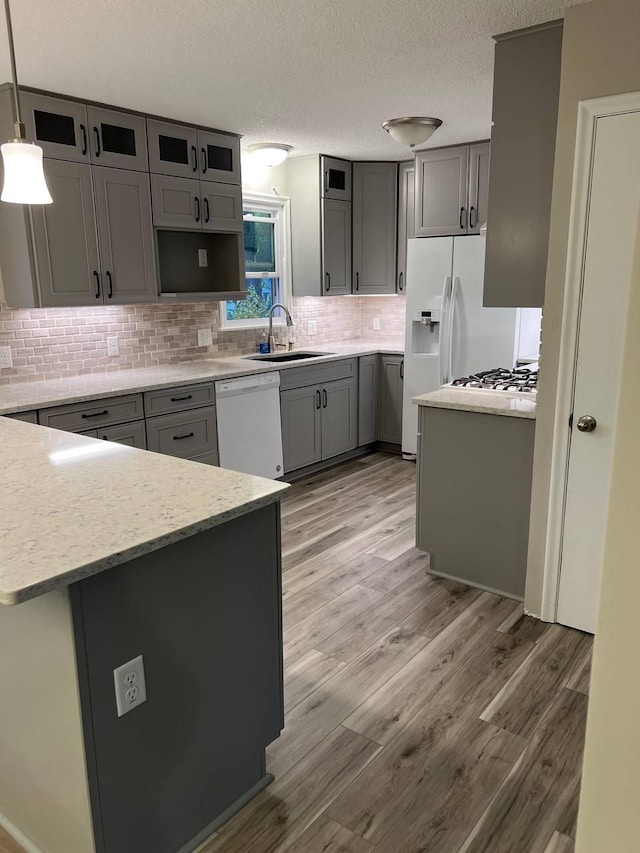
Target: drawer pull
96 414
180 437
180 399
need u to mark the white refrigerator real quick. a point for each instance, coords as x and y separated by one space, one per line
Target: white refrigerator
448 332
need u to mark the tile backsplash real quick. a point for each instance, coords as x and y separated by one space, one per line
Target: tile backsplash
56 342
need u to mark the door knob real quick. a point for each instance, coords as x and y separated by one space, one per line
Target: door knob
586 423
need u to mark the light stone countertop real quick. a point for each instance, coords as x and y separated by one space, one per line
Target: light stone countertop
71 506
469 400
26 396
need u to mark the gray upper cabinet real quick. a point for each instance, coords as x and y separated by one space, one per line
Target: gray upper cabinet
375 206
117 139
335 178
301 411
441 192
367 399
125 232
406 217
221 207
336 247
64 238
479 157
525 112
390 399
173 149
339 417
59 127
218 157
176 202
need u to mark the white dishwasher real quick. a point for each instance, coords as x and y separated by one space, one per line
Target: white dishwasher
249 427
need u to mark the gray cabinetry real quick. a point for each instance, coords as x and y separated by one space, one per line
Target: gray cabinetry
336 247
339 417
58 126
176 202
117 139
335 178
479 157
367 399
375 205
64 238
27 417
218 157
184 434
79 417
301 414
525 111
173 149
133 435
390 399
406 217
441 191
221 207
123 206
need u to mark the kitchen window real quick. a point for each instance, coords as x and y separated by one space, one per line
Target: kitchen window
267 263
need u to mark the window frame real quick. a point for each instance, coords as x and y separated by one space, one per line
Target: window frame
280 205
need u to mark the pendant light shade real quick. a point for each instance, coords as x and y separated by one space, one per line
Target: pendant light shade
412 130
24 181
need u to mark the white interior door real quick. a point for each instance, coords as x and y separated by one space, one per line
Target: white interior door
608 263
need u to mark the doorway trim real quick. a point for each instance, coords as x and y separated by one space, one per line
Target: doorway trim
589 112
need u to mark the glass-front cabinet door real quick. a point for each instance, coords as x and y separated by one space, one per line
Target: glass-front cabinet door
117 139
58 126
335 178
219 157
173 149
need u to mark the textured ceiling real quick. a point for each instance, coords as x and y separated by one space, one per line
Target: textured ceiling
320 75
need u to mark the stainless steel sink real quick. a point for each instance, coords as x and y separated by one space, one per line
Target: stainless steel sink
286 356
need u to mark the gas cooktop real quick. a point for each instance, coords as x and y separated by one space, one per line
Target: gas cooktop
522 380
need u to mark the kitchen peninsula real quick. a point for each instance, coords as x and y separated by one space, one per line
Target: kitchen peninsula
107 553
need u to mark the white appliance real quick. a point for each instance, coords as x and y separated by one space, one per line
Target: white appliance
249 427
448 332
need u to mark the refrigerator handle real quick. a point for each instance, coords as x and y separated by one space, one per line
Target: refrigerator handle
453 294
444 331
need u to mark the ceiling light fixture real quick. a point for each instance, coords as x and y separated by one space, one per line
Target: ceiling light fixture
24 181
269 153
412 130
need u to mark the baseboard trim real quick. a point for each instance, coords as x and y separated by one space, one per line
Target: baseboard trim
18 836
290 476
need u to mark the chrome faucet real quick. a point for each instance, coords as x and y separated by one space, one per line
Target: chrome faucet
272 343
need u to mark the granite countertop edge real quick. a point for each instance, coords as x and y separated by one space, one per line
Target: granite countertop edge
483 402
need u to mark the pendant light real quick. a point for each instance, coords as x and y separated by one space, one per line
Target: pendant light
24 181
412 130
269 153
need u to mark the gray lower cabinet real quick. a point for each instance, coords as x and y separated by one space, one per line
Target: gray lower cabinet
27 417
133 435
406 217
79 417
123 206
339 417
301 415
336 246
184 434
526 91
368 399
375 209
390 399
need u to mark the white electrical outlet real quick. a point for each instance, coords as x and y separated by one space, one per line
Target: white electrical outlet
131 689
313 327
113 347
202 258
376 324
204 338
5 357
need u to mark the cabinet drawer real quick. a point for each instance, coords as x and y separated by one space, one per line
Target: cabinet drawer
184 434
79 417
177 399
298 377
27 417
133 435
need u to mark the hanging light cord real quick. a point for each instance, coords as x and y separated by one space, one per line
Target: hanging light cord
19 126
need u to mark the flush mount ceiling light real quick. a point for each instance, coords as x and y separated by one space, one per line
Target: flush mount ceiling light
412 130
24 181
269 153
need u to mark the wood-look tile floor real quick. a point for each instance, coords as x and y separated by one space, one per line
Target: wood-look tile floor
422 716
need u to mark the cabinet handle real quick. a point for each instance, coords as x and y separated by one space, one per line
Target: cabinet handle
324 398
194 152
402 370
197 208
357 281
203 151
110 280
328 277
319 399
85 145
95 130
180 437
401 281
181 399
462 211
326 182
95 414
97 277
471 222
206 209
